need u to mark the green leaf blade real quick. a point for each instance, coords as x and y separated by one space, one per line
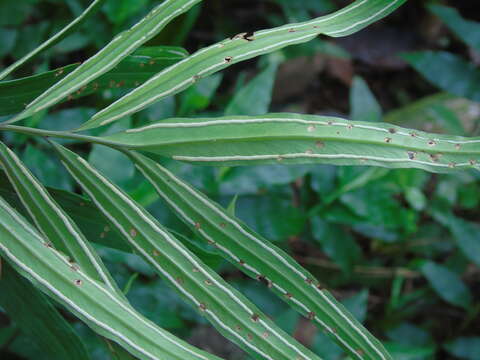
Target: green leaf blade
120 47
261 260
300 139
130 72
104 311
227 309
239 48
52 220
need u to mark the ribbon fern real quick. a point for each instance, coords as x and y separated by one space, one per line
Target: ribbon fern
55 255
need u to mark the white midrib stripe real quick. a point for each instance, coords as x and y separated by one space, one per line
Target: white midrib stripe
313 156
365 20
315 21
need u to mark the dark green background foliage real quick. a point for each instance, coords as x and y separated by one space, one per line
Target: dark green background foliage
400 248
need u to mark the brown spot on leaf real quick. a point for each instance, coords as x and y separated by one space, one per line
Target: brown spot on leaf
74 267
435 157
249 36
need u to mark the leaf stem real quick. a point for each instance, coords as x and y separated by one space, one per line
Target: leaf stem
60 134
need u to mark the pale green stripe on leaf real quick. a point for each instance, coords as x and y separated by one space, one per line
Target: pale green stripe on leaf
103 310
227 309
239 48
91 10
294 138
260 259
52 220
121 46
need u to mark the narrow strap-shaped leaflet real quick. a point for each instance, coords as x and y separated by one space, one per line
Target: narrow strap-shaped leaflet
59 229
132 71
261 260
299 139
52 220
99 307
226 308
242 47
115 51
